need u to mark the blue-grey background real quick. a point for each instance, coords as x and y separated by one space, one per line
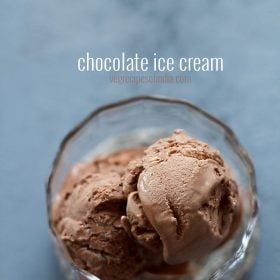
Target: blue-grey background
42 96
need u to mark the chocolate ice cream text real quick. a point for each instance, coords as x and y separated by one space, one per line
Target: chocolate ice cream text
136 63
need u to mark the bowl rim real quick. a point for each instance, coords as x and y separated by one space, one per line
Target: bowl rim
229 134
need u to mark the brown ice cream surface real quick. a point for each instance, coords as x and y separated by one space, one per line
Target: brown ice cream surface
86 218
129 210
188 197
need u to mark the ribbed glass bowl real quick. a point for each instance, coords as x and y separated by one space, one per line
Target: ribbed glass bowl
141 121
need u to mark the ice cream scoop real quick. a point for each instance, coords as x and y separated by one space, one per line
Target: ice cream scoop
186 194
87 218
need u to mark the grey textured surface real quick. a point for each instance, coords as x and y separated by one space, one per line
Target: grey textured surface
42 96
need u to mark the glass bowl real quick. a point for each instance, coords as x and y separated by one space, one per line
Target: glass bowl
141 121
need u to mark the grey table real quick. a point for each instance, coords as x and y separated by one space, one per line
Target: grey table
42 96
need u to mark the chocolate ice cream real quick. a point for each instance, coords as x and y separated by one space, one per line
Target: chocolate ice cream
186 193
171 203
86 218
